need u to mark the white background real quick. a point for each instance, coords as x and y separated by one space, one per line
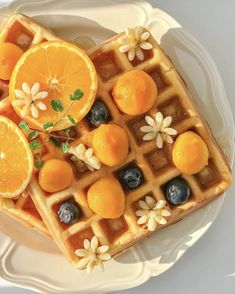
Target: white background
208 267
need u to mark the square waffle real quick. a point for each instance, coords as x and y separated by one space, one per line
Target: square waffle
25 33
156 165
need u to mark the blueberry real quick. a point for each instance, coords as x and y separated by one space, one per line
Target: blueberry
98 114
69 213
131 177
177 191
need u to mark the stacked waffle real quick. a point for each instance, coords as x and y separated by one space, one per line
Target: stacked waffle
156 164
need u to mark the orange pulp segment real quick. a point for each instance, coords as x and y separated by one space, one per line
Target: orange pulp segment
16 160
59 69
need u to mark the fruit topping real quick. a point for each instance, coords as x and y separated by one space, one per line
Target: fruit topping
135 92
9 55
177 191
99 114
111 144
55 175
131 177
158 129
68 212
106 198
190 153
16 160
65 73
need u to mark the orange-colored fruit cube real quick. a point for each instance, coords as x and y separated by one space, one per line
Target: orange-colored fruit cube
9 55
55 175
135 92
190 153
111 144
106 198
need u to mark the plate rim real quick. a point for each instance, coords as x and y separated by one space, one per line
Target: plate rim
30 282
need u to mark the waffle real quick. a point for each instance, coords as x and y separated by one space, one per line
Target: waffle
25 33
156 164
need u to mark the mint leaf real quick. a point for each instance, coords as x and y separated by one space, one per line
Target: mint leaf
77 95
64 147
37 155
24 126
54 142
71 119
48 125
35 144
33 135
39 164
57 105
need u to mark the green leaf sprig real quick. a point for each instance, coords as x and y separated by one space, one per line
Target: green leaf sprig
48 127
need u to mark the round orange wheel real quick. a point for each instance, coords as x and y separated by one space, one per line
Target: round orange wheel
16 160
49 71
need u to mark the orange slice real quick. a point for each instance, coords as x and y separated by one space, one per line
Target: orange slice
16 160
49 71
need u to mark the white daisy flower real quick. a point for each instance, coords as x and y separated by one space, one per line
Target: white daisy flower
85 155
134 42
159 129
29 99
152 213
92 255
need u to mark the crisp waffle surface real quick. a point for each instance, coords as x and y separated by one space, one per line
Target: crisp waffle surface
156 164
25 33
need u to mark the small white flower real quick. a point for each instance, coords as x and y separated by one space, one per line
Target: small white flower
29 99
134 42
85 155
152 213
92 255
158 129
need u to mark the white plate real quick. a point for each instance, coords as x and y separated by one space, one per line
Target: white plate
29 260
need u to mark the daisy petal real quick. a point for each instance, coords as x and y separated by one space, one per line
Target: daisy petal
159 117
145 36
25 88
94 243
80 252
41 105
25 110
138 32
167 122
104 257
140 213
157 218
18 102
146 46
149 136
160 204
152 224
20 94
142 220
83 262
159 141
128 32
139 54
143 205
40 95
89 152
150 120
103 249
150 201
34 111
86 243
169 139
100 265
90 266
146 129
170 131
125 48
131 54
165 213
122 39
35 89
163 221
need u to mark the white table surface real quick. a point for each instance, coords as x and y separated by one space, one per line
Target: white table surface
209 266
